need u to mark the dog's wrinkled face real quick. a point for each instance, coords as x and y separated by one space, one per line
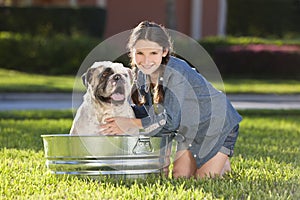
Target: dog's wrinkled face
108 82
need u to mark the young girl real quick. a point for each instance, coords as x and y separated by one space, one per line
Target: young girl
170 96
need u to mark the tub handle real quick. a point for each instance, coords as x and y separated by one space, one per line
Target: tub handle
142 146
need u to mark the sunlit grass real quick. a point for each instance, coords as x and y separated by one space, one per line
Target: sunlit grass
266 164
13 81
262 86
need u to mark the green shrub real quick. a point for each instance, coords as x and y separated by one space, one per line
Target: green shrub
49 21
62 54
59 54
259 60
277 18
254 57
210 44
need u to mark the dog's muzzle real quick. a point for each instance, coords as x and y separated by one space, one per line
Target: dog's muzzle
117 96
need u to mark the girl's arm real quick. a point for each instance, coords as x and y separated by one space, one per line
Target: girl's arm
121 125
149 125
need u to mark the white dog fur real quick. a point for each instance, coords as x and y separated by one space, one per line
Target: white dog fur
108 89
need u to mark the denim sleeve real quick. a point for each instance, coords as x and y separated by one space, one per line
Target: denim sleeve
139 111
155 121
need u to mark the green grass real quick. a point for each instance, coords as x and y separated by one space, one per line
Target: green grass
261 86
14 81
266 164
230 40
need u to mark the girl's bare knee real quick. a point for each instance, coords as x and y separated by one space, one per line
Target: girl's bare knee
214 167
184 165
179 172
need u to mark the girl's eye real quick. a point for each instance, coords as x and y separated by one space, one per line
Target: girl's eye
154 53
139 53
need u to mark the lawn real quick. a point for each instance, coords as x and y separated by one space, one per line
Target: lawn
14 81
266 164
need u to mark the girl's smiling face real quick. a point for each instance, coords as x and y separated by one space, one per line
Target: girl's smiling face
148 55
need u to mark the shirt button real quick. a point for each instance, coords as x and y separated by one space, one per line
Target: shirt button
195 155
190 145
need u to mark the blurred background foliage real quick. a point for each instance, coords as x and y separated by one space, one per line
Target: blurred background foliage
55 40
267 18
49 21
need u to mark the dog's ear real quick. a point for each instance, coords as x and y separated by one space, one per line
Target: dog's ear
83 78
87 76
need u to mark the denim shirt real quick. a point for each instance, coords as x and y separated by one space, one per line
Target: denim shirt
192 106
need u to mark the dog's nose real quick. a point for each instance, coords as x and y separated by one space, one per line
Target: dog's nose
117 77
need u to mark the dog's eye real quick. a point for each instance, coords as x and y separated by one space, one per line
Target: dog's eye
105 74
126 75
101 76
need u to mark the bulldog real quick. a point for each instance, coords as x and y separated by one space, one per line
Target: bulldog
108 87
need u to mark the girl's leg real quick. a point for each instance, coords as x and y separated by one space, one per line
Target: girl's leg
184 164
216 166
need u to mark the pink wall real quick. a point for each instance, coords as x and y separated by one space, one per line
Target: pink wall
124 15
210 17
183 15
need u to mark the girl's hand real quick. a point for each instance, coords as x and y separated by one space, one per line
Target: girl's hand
121 125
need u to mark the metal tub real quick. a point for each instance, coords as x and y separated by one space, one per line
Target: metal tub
122 156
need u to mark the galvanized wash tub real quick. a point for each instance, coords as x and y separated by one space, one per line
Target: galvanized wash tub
122 156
